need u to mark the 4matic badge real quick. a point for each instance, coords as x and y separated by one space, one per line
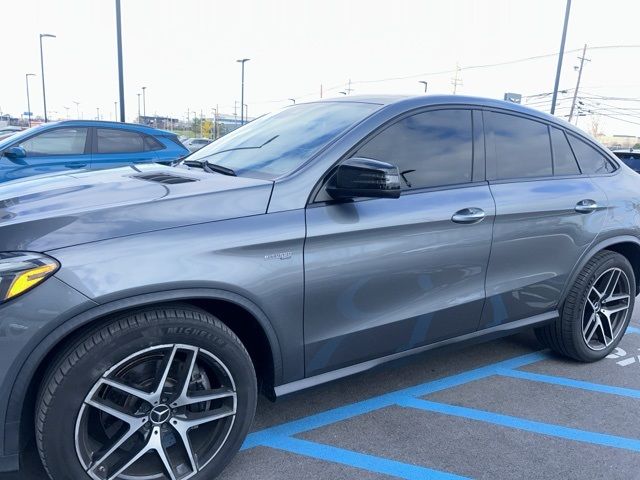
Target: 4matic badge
279 256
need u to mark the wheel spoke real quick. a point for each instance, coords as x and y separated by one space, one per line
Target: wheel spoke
149 446
617 298
608 311
114 411
126 436
163 374
185 375
205 417
596 324
165 460
592 320
611 283
135 392
203 396
183 431
607 329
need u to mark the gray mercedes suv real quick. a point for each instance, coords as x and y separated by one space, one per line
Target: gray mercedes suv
142 309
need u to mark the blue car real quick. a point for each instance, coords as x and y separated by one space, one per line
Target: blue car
80 144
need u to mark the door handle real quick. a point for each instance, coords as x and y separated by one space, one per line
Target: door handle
469 215
75 165
586 206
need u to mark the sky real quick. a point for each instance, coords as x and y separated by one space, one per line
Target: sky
185 53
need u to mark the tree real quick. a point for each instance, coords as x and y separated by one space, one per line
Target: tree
594 128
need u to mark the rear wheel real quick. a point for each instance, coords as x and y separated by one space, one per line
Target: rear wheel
597 310
159 394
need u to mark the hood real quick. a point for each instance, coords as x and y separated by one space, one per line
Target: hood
52 211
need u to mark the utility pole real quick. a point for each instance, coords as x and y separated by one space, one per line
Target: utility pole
28 99
348 89
44 92
456 80
144 102
77 109
560 56
120 72
242 61
575 94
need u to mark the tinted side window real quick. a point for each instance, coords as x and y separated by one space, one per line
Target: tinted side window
564 163
590 159
151 144
119 141
430 149
522 146
632 160
61 141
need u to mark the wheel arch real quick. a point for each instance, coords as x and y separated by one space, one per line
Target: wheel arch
627 246
241 315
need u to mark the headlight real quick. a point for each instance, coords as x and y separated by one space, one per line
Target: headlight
21 271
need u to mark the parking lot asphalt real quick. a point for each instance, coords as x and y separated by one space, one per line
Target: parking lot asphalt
506 409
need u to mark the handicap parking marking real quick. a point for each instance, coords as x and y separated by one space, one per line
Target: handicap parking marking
282 437
524 424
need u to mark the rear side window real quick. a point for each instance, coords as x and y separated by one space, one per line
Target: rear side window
564 162
61 141
591 160
119 141
151 144
522 146
430 149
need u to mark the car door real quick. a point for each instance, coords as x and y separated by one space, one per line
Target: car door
54 150
388 275
117 147
547 214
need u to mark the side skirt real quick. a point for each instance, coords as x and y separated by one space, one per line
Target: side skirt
481 335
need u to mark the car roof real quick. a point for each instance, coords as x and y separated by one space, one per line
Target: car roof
102 123
409 102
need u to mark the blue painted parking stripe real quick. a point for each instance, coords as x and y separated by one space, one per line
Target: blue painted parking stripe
568 382
264 437
631 329
360 460
522 424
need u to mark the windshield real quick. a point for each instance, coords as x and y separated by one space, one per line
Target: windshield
5 142
279 142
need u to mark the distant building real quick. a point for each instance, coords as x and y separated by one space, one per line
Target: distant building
618 141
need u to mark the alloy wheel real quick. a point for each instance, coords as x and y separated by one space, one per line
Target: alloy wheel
606 309
162 413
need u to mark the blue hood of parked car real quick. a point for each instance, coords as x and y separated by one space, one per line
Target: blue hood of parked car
53 211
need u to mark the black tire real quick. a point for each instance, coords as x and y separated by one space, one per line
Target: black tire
565 335
75 372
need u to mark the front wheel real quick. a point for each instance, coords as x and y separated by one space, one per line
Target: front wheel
597 310
163 393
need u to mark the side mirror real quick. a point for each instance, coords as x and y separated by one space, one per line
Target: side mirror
15 153
363 177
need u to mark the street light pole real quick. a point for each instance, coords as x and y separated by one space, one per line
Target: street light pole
425 85
44 93
293 100
28 100
559 69
98 112
138 107
144 102
115 108
242 61
77 109
120 68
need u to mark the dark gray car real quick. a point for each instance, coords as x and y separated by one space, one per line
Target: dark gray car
142 309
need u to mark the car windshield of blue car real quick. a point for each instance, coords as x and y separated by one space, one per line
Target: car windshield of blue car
276 144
